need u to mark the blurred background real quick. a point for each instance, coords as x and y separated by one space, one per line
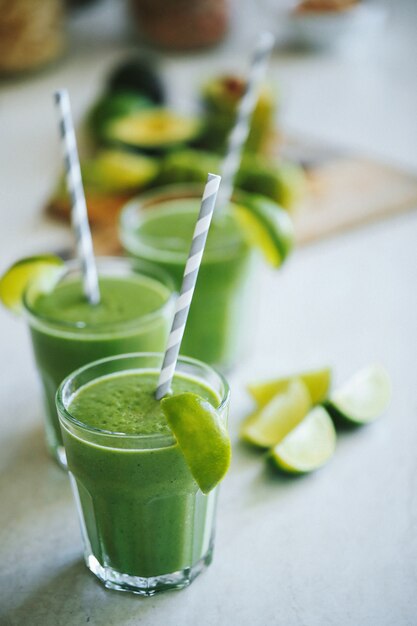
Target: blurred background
334 142
342 80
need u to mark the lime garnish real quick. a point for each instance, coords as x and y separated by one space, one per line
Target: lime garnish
44 269
317 382
271 423
309 446
201 435
363 398
265 225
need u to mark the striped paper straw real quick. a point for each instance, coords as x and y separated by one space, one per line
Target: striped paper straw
188 285
79 216
240 131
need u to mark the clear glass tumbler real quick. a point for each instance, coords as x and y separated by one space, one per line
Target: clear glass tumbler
157 227
61 346
146 525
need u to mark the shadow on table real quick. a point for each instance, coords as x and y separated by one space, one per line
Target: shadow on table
71 596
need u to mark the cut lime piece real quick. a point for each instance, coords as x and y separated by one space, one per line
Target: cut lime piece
15 280
363 398
201 435
265 225
270 424
309 446
317 382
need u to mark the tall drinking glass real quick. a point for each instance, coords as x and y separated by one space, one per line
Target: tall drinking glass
146 525
158 227
67 332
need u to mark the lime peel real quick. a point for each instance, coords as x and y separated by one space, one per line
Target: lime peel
266 225
201 436
41 271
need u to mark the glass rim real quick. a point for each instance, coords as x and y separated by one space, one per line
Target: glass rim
103 328
162 440
140 203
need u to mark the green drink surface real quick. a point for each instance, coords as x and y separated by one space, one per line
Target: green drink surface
122 299
170 227
126 403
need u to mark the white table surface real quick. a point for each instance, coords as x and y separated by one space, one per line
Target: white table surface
335 548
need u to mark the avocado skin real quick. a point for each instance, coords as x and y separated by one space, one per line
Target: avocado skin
138 74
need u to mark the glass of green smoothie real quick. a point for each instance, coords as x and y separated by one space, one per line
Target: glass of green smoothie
158 227
67 332
146 526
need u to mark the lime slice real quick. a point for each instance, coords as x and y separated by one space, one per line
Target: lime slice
317 382
201 435
15 280
271 423
265 225
309 446
363 398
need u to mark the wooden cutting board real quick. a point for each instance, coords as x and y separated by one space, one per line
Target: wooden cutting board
345 191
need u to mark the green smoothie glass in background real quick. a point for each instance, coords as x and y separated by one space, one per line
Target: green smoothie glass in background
134 313
146 525
158 227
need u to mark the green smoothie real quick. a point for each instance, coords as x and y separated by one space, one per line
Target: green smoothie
143 516
67 332
216 328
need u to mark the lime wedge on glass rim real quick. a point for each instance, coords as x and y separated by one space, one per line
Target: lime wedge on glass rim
271 423
265 225
362 398
43 269
201 436
316 381
309 446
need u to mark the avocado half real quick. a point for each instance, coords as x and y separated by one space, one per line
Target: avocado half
154 131
112 106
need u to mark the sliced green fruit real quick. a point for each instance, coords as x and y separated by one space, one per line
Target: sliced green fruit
309 446
188 166
363 398
266 225
283 182
220 98
201 435
154 130
269 425
43 269
317 382
111 107
115 171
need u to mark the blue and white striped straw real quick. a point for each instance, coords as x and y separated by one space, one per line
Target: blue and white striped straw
188 285
240 131
79 216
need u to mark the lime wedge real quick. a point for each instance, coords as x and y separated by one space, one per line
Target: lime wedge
271 423
363 398
16 279
265 225
201 435
309 446
317 382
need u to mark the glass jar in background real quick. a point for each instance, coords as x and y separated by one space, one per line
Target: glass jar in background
31 34
182 24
